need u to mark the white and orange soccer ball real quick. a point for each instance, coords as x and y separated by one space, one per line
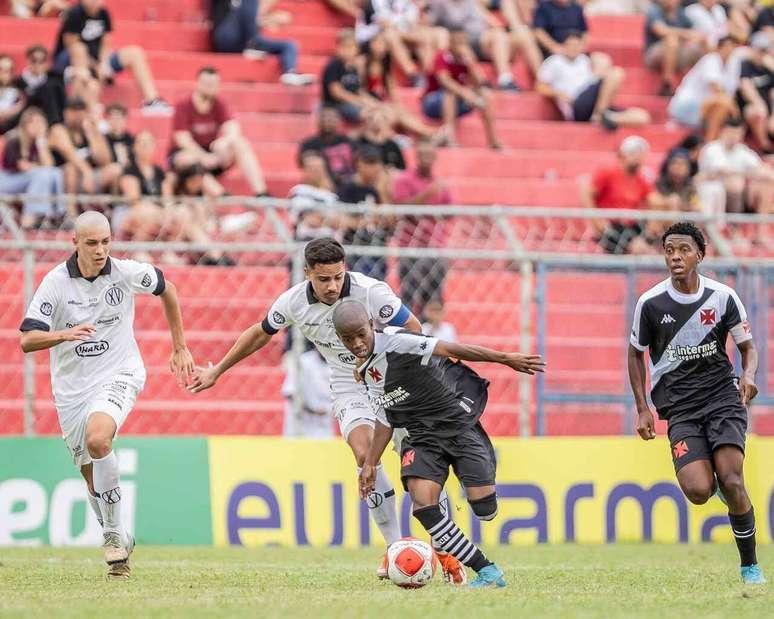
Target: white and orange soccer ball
411 563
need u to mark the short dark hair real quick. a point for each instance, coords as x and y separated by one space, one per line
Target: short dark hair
36 49
208 69
688 229
325 250
575 34
734 122
368 153
117 107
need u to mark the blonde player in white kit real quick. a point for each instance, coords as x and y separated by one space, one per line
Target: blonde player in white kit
83 312
309 305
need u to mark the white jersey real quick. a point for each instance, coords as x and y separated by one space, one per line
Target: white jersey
298 306
65 298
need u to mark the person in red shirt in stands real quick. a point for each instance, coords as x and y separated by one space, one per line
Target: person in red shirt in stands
205 133
622 186
455 88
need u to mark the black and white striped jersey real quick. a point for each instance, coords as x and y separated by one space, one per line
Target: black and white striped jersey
686 337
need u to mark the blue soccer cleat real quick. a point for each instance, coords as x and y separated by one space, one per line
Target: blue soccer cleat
489 576
752 575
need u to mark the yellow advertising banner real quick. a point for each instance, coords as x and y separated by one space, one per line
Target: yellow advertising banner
588 490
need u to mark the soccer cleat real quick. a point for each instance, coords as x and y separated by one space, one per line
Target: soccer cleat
129 546
752 575
115 551
453 571
381 571
490 576
119 571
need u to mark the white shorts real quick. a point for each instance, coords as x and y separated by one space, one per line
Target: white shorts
115 397
352 410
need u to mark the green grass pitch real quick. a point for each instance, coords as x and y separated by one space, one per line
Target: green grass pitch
548 581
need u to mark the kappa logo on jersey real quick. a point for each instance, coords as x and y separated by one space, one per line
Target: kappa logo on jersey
667 319
114 296
46 308
375 374
146 280
707 317
386 311
92 349
680 449
278 318
408 458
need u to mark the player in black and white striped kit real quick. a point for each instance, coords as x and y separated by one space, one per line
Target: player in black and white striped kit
684 322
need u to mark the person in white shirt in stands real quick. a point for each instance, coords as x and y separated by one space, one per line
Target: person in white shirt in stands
83 312
314 418
580 93
312 200
704 95
435 325
709 18
735 177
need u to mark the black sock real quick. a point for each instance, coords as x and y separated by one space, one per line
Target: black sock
743 528
448 538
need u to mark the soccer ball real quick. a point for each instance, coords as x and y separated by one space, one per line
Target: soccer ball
411 563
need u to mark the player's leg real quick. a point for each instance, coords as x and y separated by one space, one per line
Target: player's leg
88 476
692 459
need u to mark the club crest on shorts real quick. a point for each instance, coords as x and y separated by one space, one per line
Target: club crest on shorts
679 449
408 458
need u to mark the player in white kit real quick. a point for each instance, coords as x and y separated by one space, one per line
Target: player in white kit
83 311
309 305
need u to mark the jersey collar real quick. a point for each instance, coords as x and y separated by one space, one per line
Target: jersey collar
74 271
311 299
681 297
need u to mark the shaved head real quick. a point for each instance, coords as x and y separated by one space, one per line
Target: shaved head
92 241
91 222
354 327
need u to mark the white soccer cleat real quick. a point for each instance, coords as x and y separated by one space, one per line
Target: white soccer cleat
115 551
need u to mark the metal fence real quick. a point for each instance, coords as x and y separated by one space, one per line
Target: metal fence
509 278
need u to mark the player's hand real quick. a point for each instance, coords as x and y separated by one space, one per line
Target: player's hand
747 390
528 364
182 365
367 480
646 425
203 378
78 332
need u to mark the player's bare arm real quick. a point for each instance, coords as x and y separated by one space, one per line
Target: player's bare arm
41 340
747 387
382 438
527 364
251 340
180 362
646 424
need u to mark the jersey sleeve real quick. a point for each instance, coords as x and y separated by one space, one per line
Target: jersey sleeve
735 319
641 332
42 309
144 278
279 315
385 306
412 344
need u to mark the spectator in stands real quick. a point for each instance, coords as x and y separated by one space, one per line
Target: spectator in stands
455 88
555 20
142 177
421 279
765 21
370 229
490 42
38 8
334 146
85 43
236 28
745 181
691 143
311 200
83 151
581 94
314 420
351 8
675 189
11 97
435 325
42 88
119 139
342 84
28 168
378 133
205 133
621 187
398 23
709 18
704 95
671 45
755 96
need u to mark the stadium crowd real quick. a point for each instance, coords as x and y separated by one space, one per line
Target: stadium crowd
715 61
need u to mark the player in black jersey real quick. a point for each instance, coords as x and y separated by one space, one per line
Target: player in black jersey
413 384
684 322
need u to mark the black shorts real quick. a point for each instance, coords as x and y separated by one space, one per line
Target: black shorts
171 165
470 454
697 435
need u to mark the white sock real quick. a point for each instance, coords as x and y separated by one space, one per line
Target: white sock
381 506
106 485
94 502
446 506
